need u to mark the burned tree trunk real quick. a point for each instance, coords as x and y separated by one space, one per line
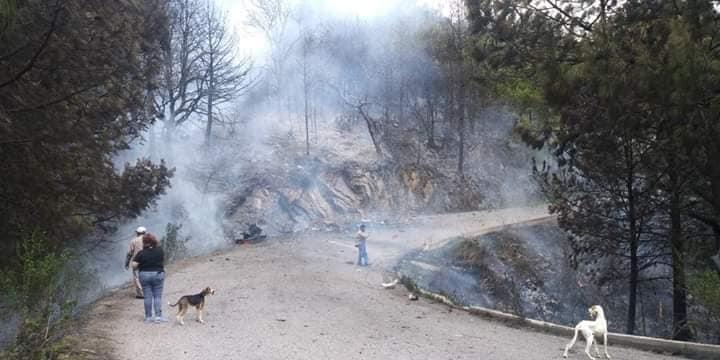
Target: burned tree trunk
681 331
374 128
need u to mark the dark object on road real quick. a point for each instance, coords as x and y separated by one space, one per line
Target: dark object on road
254 234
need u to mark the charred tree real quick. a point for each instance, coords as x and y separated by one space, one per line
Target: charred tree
183 84
226 74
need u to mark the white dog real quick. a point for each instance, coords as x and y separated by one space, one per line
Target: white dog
590 329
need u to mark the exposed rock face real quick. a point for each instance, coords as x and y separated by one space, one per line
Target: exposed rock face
317 195
344 181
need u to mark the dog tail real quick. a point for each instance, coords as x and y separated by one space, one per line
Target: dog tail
173 305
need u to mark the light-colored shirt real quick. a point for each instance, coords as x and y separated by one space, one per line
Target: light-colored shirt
361 237
135 246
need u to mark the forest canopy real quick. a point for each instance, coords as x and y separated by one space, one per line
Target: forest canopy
625 95
73 94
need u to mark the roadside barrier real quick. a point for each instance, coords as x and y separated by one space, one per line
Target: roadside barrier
690 349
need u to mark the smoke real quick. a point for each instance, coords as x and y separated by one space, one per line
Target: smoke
499 158
185 203
321 68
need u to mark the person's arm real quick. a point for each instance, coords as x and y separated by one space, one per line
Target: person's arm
129 254
136 261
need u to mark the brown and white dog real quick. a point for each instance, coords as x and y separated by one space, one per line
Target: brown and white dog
197 300
590 329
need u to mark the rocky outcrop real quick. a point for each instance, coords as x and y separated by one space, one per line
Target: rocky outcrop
345 181
319 195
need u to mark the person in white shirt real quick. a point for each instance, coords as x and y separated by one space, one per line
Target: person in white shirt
136 244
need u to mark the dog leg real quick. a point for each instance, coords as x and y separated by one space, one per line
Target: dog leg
595 345
588 342
605 343
572 342
199 316
181 315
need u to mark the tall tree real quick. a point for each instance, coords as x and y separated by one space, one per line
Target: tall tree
604 196
272 19
448 45
183 86
73 94
623 93
226 74
684 95
307 45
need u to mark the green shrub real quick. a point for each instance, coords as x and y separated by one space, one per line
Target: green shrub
173 243
41 287
705 287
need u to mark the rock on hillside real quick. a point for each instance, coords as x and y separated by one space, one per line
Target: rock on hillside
317 194
343 181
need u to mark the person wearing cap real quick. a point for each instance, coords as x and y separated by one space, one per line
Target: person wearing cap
136 245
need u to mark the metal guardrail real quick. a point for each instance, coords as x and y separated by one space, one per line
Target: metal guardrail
691 349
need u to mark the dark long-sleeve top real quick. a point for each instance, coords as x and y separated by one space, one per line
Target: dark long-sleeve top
150 259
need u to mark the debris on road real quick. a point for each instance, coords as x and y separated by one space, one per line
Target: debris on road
391 284
412 296
254 234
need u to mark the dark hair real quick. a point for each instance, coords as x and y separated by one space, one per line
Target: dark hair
150 241
362 227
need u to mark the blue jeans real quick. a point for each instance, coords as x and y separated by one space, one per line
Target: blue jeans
152 285
362 254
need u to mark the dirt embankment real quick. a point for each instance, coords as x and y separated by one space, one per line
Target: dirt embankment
302 298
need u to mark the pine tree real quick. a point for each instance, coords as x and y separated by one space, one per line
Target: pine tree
73 94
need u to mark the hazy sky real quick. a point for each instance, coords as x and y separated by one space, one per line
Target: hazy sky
252 44
369 8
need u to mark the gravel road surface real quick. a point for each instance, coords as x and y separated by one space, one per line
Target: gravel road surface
302 297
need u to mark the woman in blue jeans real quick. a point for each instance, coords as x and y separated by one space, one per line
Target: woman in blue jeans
150 264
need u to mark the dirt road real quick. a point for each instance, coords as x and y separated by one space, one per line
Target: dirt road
302 298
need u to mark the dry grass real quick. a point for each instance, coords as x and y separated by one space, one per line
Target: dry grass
478 255
471 254
76 347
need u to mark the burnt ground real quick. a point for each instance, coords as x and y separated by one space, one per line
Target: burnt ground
521 269
302 298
